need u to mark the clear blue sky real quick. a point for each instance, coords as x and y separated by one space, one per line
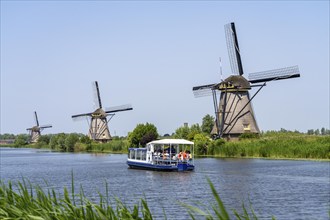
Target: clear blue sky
151 54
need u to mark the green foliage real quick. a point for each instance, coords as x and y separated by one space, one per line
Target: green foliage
249 136
194 129
207 124
24 201
202 143
182 132
84 139
44 139
61 142
142 134
67 142
114 146
279 145
7 136
70 141
188 133
21 140
32 202
215 146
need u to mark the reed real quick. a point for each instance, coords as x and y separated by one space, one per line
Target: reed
278 146
24 201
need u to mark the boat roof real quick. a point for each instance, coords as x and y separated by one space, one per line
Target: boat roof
171 141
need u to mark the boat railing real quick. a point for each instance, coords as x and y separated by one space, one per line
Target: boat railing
174 160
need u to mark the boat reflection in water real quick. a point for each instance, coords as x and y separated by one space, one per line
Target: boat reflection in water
163 155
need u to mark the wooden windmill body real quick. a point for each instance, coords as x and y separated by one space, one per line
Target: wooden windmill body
99 129
99 119
234 113
35 131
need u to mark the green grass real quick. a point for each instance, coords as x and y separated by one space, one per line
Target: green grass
273 145
284 146
24 201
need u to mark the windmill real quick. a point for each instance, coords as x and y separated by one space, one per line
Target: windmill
234 115
35 131
98 126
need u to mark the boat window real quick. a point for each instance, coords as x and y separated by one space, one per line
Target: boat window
138 155
144 155
132 154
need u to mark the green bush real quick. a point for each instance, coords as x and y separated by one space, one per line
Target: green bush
249 136
202 143
21 140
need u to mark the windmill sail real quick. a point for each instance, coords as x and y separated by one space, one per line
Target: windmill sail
36 118
275 74
205 90
97 96
119 108
233 50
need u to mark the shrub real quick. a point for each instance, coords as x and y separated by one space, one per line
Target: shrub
201 144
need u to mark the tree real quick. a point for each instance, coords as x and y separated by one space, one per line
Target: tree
142 134
61 141
70 141
310 131
7 136
194 129
21 140
44 139
182 132
323 132
201 143
207 124
317 132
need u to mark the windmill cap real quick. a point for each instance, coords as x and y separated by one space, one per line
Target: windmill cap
234 82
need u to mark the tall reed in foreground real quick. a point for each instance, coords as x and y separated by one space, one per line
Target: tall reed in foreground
26 202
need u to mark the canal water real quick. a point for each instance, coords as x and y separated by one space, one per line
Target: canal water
281 188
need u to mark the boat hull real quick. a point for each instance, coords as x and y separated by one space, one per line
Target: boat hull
161 167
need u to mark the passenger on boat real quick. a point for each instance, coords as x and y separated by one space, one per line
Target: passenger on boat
184 155
180 156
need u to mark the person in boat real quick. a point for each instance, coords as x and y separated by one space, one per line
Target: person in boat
179 156
184 155
190 156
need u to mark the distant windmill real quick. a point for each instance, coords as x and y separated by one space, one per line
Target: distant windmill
35 131
234 114
98 127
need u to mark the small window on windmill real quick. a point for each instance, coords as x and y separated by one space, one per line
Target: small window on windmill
246 127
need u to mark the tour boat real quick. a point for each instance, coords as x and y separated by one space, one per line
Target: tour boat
163 155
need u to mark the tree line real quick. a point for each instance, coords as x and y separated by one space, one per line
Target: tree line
200 134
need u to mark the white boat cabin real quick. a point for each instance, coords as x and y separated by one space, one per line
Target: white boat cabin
165 152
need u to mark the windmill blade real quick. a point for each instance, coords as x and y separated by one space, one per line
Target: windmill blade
201 91
45 126
36 118
97 95
119 108
29 129
233 49
276 74
82 115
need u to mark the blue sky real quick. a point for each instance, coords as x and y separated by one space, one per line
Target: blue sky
150 54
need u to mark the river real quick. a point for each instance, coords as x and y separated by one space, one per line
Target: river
282 188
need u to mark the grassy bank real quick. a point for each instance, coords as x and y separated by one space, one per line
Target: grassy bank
285 146
23 201
114 146
272 145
